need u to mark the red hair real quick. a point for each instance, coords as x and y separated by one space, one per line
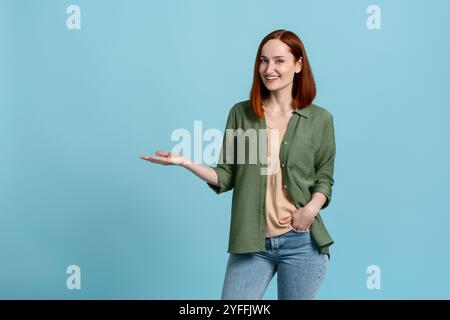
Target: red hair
304 87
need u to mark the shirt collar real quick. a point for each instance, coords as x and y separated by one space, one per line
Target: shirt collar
303 112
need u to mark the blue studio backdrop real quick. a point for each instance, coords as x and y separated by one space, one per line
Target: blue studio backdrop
86 87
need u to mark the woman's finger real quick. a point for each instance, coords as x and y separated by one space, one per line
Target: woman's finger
162 153
156 160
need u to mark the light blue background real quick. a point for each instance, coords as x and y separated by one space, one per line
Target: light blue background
78 108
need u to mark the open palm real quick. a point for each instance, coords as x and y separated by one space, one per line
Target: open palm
166 158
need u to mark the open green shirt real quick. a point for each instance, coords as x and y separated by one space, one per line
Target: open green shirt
306 158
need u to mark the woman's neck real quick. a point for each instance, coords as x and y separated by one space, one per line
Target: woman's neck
278 106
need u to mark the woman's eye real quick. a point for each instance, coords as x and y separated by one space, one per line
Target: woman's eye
277 61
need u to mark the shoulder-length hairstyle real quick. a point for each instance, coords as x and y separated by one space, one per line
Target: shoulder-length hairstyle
304 87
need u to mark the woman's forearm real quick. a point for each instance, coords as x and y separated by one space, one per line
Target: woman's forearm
204 172
317 201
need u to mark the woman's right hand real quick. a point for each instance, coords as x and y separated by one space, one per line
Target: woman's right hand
205 172
167 158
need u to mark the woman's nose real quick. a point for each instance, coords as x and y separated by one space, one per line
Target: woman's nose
270 68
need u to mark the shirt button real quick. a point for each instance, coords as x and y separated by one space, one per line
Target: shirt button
282 165
285 142
284 186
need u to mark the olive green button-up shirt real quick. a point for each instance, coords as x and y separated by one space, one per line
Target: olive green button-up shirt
307 154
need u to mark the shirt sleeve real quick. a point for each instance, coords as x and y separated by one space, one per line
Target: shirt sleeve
324 164
225 167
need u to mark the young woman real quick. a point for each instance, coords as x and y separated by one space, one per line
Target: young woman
275 225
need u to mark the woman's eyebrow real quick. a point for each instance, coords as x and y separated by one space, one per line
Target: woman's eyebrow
274 57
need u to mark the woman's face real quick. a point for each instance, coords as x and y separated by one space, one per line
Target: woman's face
277 65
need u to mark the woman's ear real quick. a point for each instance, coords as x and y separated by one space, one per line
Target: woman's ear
299 65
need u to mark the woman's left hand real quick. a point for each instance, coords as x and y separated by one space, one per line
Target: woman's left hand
301 219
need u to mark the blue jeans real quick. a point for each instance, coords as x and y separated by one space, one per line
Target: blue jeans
294 255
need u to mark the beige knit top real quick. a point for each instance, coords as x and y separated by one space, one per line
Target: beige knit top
279 203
